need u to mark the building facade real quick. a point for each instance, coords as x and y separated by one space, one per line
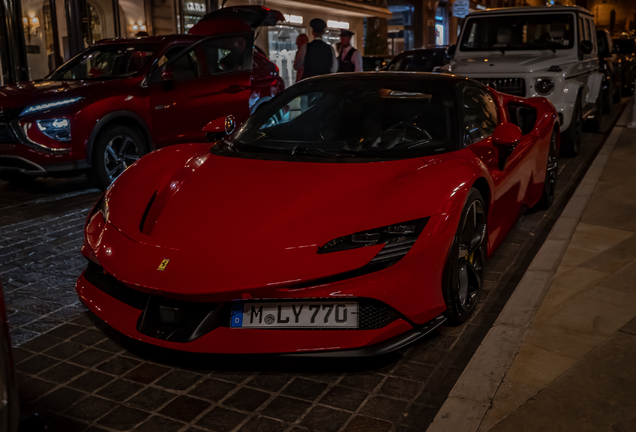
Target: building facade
36 36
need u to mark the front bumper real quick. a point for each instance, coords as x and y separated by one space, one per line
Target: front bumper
123 308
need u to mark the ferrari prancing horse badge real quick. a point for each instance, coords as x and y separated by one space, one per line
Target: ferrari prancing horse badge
163 265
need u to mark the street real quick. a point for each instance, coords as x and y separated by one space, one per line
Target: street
78 373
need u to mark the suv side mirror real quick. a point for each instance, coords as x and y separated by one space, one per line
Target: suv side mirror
450 51
616 49
586 47
219 128
505 139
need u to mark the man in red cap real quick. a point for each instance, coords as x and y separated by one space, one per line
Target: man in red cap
349 58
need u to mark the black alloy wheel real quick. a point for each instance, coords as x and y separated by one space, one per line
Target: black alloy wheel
594 124
463 273
571 139
549 184
115 150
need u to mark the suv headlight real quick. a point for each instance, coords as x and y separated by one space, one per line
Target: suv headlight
544 86
58 129
50 105
398 240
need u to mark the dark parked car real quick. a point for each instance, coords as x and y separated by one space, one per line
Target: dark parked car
627 56
122 98
375 62
611 65
420 60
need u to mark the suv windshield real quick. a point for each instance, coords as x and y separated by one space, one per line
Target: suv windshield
519 32
106 61
420 61
351 119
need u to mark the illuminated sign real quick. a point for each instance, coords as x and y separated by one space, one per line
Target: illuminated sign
195 7
338 24
294 19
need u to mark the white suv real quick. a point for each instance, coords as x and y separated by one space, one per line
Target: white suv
548 51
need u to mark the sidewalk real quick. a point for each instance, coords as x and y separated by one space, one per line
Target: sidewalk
575 368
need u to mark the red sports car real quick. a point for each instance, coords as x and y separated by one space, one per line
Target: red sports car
350 215
122 98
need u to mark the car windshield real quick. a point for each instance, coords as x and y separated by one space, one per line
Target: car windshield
346 119
106 61
625 46
519 32
424 61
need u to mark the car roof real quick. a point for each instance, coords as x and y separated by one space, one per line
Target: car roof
150 39
396 77
531 9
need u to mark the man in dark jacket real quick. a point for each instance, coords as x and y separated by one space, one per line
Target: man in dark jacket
317 57
349 58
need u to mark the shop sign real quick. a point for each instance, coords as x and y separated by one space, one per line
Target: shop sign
338 24
293 19
195 7
460 8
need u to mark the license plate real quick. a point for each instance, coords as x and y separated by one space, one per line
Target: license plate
308 314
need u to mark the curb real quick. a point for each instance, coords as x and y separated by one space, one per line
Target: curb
474 391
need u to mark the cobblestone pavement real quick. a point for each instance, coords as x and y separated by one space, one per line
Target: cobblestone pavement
79 374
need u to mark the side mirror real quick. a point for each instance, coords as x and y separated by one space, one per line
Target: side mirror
219 128
505 139
586 47
616 49
450 51
167 79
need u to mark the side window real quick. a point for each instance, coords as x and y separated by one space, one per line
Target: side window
592 36
581 31
184 66
480 114
224 55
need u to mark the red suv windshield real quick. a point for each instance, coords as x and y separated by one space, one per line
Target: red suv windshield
106 61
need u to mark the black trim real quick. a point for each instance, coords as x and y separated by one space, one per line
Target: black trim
95 275
381 348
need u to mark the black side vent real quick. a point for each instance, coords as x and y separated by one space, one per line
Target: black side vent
143 218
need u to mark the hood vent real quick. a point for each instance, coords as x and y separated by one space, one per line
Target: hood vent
143 218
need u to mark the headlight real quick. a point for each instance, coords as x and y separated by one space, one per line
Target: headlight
50 105
58 129
544 86
398 240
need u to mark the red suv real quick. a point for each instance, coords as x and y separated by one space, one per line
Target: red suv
122 98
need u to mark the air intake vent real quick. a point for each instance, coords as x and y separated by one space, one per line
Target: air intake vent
513 86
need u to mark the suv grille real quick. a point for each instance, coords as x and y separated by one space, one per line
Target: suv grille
372 314
513 86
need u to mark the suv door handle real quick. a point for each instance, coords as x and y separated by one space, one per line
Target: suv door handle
234 88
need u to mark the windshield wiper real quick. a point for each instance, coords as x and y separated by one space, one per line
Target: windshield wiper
312 151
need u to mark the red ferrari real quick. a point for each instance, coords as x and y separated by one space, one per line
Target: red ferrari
350 215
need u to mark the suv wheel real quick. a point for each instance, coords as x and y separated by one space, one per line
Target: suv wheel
116 148
594 124
571 138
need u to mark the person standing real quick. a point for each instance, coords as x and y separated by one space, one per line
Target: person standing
317 57
301 41
349 58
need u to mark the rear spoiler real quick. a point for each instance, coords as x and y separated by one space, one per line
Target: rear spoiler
236 19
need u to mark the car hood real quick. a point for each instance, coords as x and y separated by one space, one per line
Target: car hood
509 62
33 92
249 222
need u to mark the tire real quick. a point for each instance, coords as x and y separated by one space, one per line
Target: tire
571 142
616 98
463 272
116 148
551 173
17 178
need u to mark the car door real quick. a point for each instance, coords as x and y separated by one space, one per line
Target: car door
480 117
210 79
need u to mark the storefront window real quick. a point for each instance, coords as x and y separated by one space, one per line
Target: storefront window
283 50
